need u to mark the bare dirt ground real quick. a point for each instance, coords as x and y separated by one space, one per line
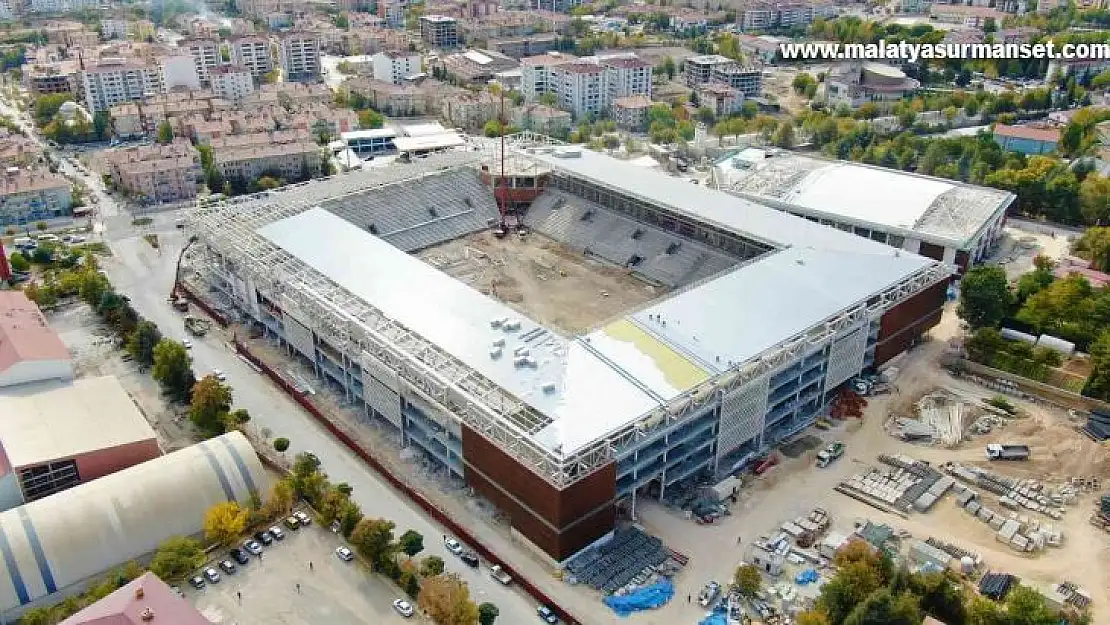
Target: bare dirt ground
543 279
96 353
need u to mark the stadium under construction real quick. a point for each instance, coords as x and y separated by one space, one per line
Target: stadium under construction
764 316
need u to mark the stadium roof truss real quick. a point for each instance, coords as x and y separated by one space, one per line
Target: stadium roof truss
356 328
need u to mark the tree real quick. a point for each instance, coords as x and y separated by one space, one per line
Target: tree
748 580
47 106
811 617
280 500
446 599
431 566
176 558
411 542
19 262
173 370
669 67
224 522
349 516
281 444
985 297
211 402
882 606
141 342
1094 199
373 538
487 613
368 118
784 136
165 132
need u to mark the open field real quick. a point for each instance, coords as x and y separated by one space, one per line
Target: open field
542 278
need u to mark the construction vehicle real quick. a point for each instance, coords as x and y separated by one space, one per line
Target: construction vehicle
197 326
830 454
996 451
499 574
180 304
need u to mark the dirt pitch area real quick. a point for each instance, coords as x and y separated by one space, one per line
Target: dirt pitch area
542 279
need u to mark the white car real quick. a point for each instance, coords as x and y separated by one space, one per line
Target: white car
220 375
404 608
344 554
187 343
453 545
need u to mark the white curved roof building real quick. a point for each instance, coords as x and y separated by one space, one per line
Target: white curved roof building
55 544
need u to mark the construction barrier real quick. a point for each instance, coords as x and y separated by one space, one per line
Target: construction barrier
413 495
201 304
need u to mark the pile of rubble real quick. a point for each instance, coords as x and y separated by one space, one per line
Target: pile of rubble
1019 532
946 418
1014 494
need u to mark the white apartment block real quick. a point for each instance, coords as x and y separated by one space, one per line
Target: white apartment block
393 12
299 53
206 55
113 29
395 66
777 15
286 160
588 85
232 82
581 88
537 73
27 196
62 6
7 10
113 81
252 53
626 76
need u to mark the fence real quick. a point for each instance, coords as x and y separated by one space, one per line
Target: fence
414 495
200 303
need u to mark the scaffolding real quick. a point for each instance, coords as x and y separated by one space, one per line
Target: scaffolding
234 253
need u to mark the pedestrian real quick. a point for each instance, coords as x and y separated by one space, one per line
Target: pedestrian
689 598
298 588
310 565
239 594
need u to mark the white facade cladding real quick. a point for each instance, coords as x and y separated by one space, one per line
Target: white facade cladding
382 399
742 413
298 335
846 356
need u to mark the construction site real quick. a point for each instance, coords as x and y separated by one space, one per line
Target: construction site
634 353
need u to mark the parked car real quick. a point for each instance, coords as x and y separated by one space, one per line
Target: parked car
344 554
187 343
302 517
227 566
276 532
197 582
292 523
547 614
404 608
470 558
252 547
453 546
239 556
212 575
264 537
220 375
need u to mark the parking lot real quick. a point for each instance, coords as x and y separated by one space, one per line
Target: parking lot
333 592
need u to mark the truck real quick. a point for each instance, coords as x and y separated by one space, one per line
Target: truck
999 451
499 574
830 454
197 326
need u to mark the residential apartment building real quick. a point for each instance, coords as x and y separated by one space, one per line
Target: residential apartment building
520 47
206 56
699 69
299 54
262 8
252 53
112 81
62 6
232 82
113 29
537 73
722 99
626 76
747 79
393 12
127 121
157 173
771 15
395 66
289 161
439 31
581 88
542 119
30 196
48 78
969 16
631 113
472 112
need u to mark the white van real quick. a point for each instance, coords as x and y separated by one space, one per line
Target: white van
47 238
23 243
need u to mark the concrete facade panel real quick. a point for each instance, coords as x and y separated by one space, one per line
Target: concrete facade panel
907 321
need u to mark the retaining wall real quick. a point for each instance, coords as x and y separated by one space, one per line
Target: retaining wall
1052 394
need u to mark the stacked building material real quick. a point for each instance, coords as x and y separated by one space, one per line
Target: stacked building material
1098 425
997 585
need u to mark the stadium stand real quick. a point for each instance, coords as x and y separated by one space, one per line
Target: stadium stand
647 250
441 207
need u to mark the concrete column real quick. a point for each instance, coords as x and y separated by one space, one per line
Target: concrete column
911 245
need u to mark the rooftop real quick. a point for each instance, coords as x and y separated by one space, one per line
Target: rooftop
144 601
1027 132
633 102
24 334
948 211
42 424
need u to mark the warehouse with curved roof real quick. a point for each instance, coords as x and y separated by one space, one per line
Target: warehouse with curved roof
55 544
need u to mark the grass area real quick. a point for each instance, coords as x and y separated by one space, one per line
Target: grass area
96 247
142 221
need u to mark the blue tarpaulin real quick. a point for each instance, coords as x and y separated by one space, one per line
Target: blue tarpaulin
807 576
646 598
716 617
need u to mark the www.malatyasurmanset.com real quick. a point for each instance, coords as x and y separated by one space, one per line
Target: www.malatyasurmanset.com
913 52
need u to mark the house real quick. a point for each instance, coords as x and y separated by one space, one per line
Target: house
1028 140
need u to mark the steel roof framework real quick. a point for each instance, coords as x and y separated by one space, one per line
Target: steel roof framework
359 330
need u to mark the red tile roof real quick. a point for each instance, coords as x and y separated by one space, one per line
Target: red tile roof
145 601
24 334
1027 132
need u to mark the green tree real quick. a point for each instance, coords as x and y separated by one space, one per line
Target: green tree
784 136
548 99
747 580
224 522
373 538
281 444
165 132
669 67
176 558
883 607
349 516
431 566
211 401
487 612
19 262
141 342
1098 383
411 543
369 118
173 370
47 106
985 297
